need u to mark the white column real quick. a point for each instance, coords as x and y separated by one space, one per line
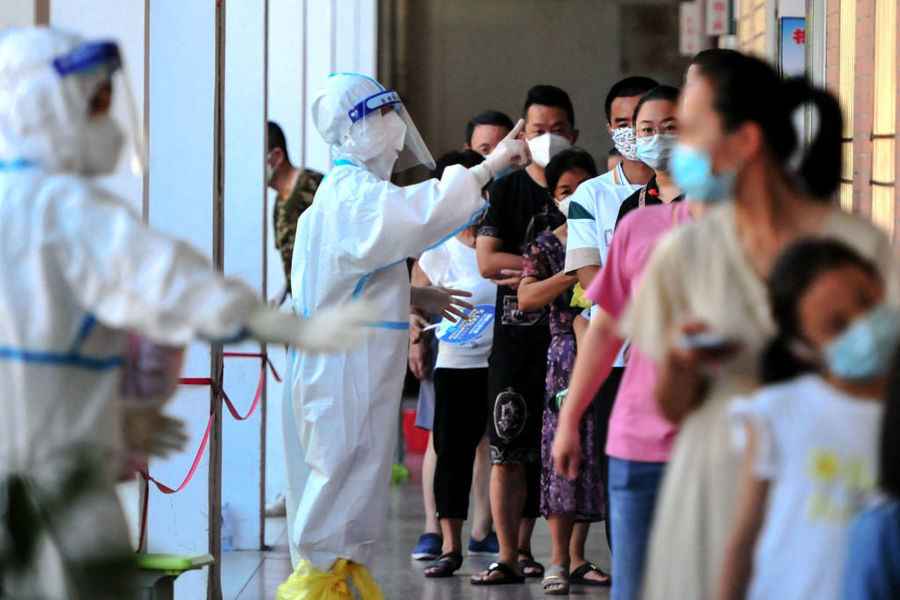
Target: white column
181 64
244 227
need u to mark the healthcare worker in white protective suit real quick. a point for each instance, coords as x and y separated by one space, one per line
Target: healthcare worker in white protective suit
353 242
78 269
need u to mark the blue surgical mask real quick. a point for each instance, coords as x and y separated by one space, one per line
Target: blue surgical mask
656 151
865 349
692 171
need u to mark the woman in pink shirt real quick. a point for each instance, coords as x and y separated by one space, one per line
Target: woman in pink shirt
640 438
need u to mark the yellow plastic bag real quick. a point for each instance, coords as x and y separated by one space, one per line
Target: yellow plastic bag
578 299
309 583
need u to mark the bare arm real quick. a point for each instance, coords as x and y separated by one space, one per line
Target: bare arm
593 364
536 293
682 381
417 347
738 567
491 260
586 275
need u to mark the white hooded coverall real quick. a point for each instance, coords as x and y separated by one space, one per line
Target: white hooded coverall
78 270
353 242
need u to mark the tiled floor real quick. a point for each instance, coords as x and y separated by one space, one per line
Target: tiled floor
256 576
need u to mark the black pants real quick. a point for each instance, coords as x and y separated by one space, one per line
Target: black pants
603 405
516 392
460 421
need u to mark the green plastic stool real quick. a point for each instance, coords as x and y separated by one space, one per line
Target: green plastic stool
157 573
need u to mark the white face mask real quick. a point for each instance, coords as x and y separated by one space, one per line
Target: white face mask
101 145
270 173
655 151
383 137
544 147
563 206
623 138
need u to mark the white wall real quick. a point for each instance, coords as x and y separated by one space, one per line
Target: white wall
791 8
17 13
101 19
181 171
244 226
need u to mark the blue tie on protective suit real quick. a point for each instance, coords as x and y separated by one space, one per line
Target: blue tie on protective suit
341 410
78 271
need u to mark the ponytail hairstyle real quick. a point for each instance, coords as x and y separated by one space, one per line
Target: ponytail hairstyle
747 89
798 267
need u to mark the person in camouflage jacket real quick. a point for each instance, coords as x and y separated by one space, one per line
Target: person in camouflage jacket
296 188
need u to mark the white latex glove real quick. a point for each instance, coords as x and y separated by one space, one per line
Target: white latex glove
511 153
150 432
151 372
442 301
328 330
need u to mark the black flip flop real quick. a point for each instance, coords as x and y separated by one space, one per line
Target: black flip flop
448 564
537 569
509 575
576 577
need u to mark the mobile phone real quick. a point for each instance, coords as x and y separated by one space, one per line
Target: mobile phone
706 341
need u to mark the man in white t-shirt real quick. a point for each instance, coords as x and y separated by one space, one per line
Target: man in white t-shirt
593 212
595 205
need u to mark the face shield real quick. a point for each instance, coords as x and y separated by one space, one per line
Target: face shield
384 123
99 73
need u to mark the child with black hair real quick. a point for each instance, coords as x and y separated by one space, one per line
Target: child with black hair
872 571
810 433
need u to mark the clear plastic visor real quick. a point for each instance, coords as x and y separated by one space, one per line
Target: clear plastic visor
99 67
414 151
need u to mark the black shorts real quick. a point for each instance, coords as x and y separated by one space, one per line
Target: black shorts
516 383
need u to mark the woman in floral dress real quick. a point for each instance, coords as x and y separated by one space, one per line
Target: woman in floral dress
569 506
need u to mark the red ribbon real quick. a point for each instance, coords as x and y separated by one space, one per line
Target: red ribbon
198 456
260 355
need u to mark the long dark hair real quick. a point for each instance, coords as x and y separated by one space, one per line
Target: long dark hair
889 455
747 89
794 272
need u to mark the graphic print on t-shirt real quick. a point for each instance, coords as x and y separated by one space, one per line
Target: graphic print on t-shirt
513 316
470 329
841 485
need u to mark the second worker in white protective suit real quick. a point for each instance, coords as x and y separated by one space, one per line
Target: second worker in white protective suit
78 271
353 243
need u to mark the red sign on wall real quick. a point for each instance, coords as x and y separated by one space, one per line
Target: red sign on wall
716 17
691 27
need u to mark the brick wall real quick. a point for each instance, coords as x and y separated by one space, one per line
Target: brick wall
897 148
833 44
863 103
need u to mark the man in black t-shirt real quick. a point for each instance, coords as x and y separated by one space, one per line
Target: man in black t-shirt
517 366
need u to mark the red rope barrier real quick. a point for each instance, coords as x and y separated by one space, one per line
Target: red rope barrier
261 355
198 456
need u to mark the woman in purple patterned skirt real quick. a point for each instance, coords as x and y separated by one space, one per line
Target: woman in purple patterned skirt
569 506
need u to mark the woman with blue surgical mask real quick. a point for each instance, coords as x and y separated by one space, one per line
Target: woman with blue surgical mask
702 313
656 133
